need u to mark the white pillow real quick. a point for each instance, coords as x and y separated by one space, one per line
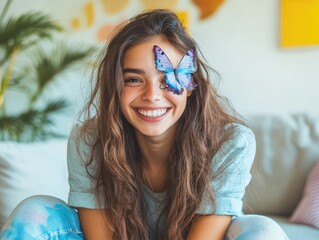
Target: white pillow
28 169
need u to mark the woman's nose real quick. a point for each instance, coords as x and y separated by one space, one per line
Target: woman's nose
152 92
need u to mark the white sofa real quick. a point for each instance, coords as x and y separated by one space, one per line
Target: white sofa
287 149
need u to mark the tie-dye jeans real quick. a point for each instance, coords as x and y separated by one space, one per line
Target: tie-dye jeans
44 217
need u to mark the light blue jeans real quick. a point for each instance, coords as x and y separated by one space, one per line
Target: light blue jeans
45 217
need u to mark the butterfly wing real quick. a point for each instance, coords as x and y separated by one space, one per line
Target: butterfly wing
187 66
172 84
186 80
163 64
188 63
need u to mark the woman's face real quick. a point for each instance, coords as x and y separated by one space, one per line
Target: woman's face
150 110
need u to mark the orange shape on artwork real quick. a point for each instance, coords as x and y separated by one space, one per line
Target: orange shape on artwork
111 6
163 4
207 7
105 31
89 13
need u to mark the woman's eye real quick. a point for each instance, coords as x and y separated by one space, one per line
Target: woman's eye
132 81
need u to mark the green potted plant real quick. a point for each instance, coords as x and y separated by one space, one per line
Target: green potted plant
31 59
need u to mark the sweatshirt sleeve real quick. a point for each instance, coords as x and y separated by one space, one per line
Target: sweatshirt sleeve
234 159
82 185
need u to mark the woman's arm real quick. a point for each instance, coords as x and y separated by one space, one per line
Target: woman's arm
209 227
94 224
235 158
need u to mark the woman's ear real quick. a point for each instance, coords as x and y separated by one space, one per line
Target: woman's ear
189 92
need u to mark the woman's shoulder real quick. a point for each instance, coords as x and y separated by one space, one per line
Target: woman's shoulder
240 144
239 135
82 139
84 132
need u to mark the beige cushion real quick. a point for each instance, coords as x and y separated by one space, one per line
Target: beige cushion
287 148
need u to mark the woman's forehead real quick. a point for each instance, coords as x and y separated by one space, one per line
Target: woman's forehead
144 52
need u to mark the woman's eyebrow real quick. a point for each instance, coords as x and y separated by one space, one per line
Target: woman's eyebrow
133 70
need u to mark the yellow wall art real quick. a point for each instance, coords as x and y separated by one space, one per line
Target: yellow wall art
299 23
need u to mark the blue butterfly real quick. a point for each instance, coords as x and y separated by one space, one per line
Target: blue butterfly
176 78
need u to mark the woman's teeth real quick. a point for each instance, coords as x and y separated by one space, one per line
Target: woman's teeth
152 113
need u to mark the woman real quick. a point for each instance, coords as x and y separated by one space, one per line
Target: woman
160 157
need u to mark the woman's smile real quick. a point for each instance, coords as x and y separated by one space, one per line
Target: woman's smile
156 113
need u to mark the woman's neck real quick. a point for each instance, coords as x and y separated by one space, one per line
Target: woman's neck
155 154
155 151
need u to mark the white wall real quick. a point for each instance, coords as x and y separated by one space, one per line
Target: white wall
241 42
257 75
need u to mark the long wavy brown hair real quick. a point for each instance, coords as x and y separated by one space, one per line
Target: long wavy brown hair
200 133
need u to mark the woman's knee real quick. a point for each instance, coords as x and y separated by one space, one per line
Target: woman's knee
255 227
41 214
40 201
35 205
36 208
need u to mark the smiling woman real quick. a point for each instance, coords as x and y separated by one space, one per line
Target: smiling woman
160 158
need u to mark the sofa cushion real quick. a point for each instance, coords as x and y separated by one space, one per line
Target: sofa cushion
307 211
287 148
28 169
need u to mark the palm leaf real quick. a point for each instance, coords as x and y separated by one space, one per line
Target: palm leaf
25 30
5 10
39 68
48 66
32 124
